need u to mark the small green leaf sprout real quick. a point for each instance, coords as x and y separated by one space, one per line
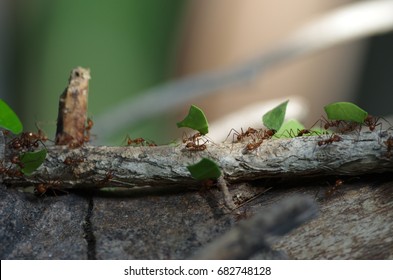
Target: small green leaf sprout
274 119
32 160
205 169
196 120
345 111
8 119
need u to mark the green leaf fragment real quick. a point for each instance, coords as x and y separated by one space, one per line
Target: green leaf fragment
204 169
32 160
196 120
8 119
275 117
345 111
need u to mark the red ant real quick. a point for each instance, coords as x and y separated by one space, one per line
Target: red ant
306 131
192 142
332 123
253 145
193 138
259 138
16 160
108 177
303 131
372 122
333 138
334 189
192 146
341 125
139 141
28 140
42 188
389 146
267 134
89 126
240 136
10 172
73 160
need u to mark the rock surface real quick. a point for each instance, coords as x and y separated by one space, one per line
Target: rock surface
355 223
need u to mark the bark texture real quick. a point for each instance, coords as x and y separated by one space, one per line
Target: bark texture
165 166
72 113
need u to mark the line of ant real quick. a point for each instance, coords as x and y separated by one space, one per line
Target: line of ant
258 138
139 142
28 140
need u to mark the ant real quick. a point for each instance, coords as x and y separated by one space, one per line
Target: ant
372 122
240 136
89 126
28 140
192 146
267 134
73 160
331 191
334 189
259 138
328 124
389 146
303 131
10 172
108 177
6 132
139 141
253 145
192 142
333 138
193 138
16 160
341 125
42 188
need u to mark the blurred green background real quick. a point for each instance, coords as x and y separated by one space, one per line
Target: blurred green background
133 45
129 45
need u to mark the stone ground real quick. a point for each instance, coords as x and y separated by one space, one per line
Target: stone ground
355 223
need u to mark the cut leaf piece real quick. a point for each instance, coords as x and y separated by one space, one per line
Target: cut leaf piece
196 120
204 169
275 117
289 129
32 160
8 119
345 111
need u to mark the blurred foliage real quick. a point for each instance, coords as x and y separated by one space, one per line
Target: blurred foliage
129 45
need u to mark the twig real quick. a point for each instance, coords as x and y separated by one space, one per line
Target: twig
71 118
222 184
249 237
165 166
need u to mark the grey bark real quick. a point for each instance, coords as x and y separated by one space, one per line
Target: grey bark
165 166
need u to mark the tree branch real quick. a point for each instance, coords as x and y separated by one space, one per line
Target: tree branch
164 166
